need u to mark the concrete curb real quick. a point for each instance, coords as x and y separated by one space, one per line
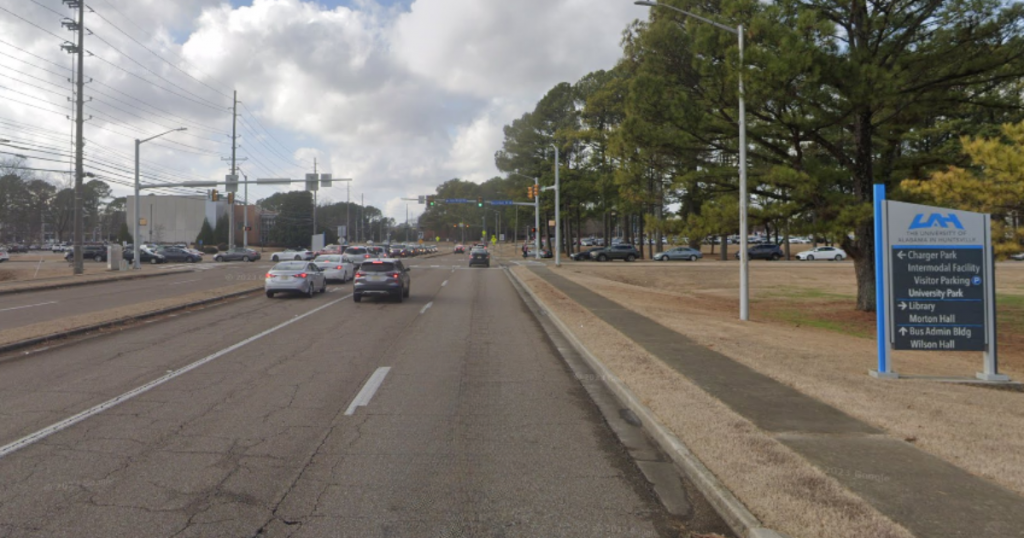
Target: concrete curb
14 346
71 284
734 512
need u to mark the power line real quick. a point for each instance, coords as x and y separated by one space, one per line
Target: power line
151 51
48 8
271 135
144 31
111 64
36 56
62 40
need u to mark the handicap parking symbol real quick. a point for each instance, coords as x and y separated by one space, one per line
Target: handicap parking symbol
976 280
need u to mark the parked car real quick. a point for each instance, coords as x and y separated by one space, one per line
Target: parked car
584 255
146 255
460 249
4 256
479 256
822 253
764 252
335 267
616 252
388 277
89 252
16 248
1018 256
679 253
544 253
237 254
292 254
301 277
357 254
175 254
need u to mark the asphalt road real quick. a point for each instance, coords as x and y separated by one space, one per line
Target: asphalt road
20 309
477 427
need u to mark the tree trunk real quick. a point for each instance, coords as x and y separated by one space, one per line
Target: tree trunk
725 247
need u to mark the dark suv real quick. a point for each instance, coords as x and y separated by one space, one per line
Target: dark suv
616 252
479 256
89 252
764 252
388 277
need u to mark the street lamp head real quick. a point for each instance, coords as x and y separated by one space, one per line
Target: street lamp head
647 3
181 129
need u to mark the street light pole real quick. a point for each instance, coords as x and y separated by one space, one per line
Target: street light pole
135 235
558 220
744 257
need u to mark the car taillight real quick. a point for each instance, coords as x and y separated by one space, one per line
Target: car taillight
302 275
359 275
394 275
269 275
338 267
366 256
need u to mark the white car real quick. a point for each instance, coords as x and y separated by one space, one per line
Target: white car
290 254
823 253
4 256
335 267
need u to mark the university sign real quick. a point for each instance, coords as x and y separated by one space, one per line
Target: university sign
936 282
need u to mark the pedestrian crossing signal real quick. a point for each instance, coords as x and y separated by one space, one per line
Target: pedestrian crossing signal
214 195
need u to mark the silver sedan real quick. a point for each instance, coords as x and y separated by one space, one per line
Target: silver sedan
295 277
335 267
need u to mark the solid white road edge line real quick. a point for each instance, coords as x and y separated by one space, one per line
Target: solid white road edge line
369 389
426 307
68 422
445 283
26 306
184 281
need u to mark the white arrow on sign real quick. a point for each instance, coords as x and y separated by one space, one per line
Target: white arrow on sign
903 331
900 254
903 306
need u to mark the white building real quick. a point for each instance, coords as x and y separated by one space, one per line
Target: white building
174 219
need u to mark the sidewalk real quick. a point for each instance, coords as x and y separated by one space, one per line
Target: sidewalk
925 495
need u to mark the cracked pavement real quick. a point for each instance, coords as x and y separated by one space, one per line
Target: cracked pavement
479 429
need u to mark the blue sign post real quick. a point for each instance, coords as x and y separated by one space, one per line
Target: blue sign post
880 291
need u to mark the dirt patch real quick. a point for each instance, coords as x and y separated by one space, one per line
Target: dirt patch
784 491
57 326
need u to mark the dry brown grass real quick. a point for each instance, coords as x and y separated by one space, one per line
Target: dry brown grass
782 489
977 429
57 326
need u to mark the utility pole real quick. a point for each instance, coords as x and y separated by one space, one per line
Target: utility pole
79 49
362 202
245 213
234 167
348 211
314 197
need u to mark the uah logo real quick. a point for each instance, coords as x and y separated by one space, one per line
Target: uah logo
936 219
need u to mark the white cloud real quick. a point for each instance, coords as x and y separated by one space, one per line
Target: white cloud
399 100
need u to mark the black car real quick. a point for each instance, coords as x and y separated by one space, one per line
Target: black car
387 277
616 252
145 256
584 255
89 252
764 252
479 256
16 248
175 254
237 254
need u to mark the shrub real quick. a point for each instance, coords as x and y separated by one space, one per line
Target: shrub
210 250
222 247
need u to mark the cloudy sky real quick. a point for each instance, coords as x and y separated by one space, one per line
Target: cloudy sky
400 95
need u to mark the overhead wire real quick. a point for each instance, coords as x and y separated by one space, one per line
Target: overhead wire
15 15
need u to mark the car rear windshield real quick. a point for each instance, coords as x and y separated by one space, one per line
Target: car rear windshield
355 250
289 266
327 259
380 267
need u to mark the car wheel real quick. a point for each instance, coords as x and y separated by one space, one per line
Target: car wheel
273 259
630 258
245 258
400 296
839 257
270 295
323 289
810 257
356 297
310 291
154 261
693 258
406 291
775 257
602 258
194 260
218 259
298 258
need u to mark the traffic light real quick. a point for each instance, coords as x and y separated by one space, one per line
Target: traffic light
430 200
231 198
214 195
479 201
529 192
